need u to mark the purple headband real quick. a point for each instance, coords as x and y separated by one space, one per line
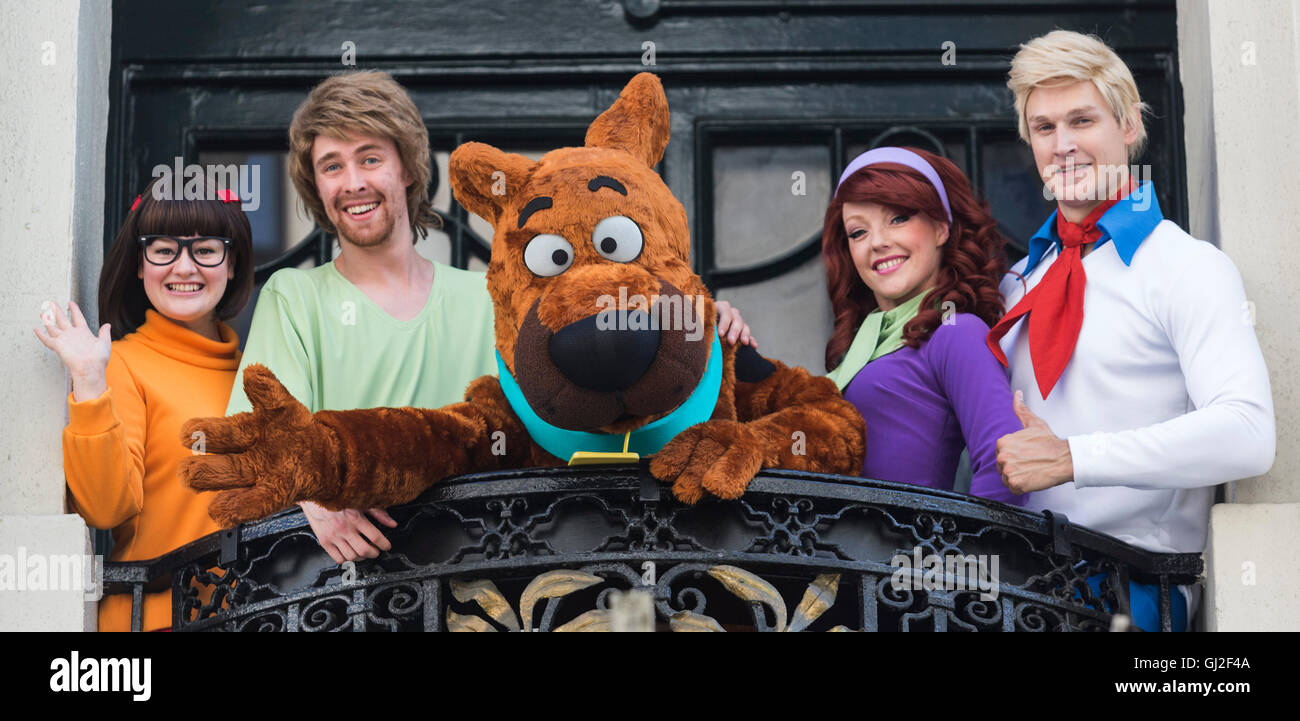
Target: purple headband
901 156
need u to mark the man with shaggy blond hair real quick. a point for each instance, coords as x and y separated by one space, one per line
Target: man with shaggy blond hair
368 103
1139 379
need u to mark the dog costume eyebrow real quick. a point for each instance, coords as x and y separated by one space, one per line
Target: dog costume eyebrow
604 181
534 205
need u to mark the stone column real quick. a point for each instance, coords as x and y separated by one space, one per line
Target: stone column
53 127
1240 69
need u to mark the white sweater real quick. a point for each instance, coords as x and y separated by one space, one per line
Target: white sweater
1165 396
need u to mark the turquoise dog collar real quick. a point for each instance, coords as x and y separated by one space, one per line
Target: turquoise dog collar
647 440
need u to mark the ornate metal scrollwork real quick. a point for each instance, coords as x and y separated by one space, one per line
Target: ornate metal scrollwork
572 549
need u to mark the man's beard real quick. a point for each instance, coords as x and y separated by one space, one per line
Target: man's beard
375 234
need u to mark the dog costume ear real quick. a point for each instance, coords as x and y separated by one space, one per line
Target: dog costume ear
637 122
473 172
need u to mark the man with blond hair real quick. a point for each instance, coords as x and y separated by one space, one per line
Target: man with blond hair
380 325
1139 379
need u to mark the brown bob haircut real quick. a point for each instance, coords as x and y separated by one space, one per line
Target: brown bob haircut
122 300
370 103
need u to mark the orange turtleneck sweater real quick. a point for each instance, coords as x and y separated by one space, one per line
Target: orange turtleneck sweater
121 450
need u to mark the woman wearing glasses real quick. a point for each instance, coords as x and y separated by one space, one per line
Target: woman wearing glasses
176 271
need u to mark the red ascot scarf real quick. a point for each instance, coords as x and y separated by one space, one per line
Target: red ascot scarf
1057 302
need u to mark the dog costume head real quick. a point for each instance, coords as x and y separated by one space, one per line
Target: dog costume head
599 317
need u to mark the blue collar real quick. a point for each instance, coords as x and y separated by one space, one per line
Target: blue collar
646 440
1127 223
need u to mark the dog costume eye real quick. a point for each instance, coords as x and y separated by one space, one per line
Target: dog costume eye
617 238
548 255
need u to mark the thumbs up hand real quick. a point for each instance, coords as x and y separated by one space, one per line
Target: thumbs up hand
1034 458
1026 416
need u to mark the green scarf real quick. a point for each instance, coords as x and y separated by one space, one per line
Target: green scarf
881 333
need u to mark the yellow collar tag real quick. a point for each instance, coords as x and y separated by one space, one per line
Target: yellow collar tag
592 458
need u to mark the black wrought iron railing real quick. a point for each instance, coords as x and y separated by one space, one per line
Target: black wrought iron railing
558 549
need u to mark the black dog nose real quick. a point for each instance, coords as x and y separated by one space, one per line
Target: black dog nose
608 355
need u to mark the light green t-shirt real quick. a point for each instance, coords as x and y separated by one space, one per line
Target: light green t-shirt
334 349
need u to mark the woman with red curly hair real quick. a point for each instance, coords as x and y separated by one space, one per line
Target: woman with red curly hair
913 261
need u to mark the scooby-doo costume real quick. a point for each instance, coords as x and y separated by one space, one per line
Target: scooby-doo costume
580 369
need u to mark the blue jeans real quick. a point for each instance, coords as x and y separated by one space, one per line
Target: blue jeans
1144 602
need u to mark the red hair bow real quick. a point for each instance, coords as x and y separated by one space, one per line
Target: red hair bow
226 195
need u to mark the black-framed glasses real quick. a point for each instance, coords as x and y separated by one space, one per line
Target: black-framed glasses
206 250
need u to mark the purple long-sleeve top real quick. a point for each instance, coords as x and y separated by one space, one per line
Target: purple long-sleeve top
921 406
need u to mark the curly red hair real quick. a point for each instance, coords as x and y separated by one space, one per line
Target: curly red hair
972 260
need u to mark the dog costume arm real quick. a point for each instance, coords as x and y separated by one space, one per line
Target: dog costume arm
783 418
391 455
280 454
803 420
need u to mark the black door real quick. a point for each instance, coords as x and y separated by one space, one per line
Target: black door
769 100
